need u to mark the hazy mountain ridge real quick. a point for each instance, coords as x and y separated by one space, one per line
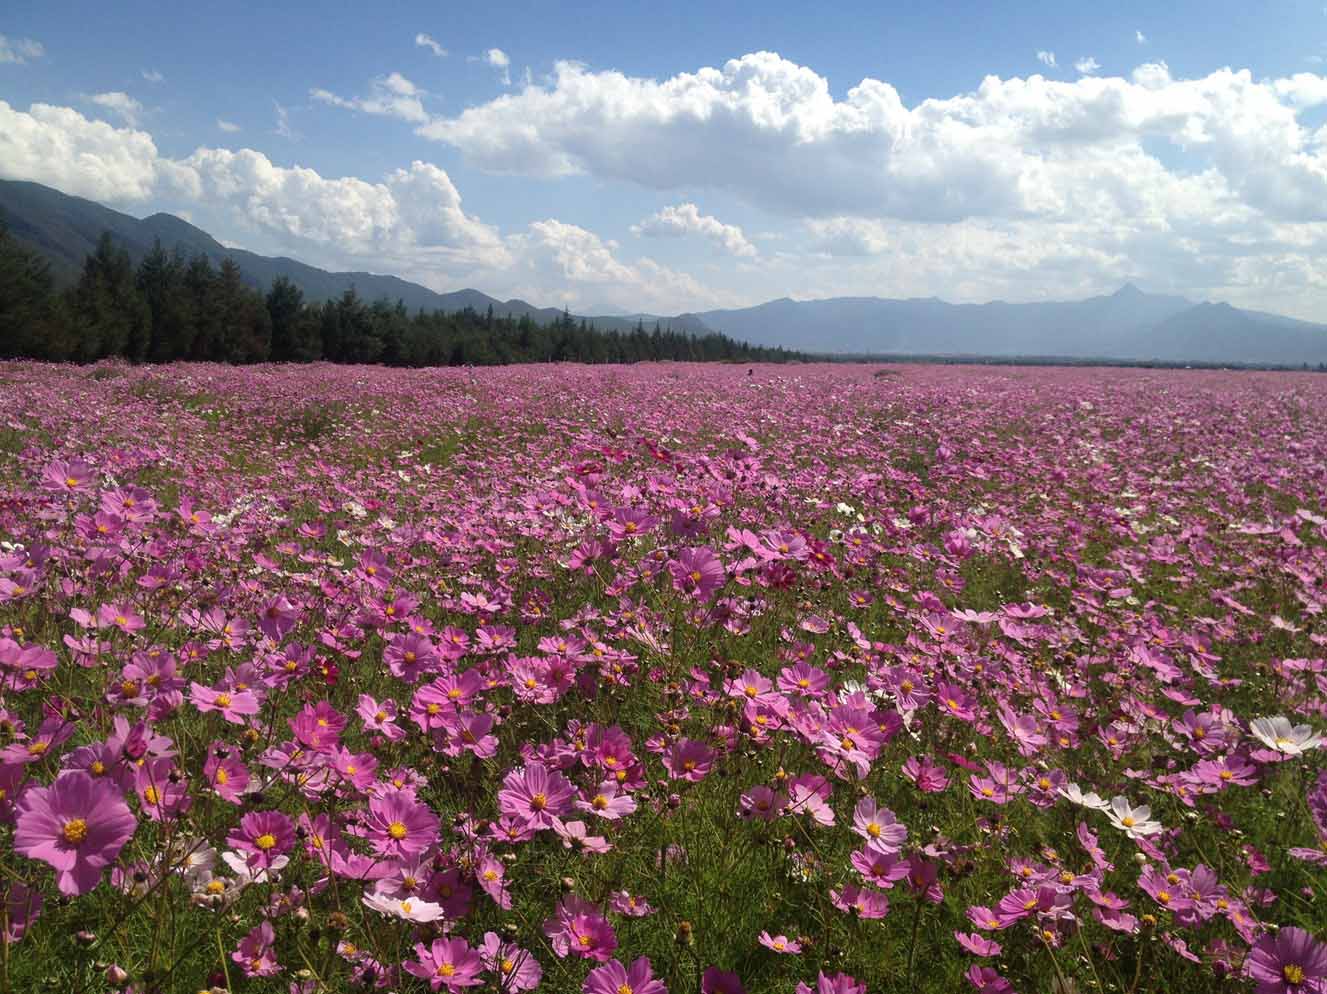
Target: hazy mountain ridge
65 229
1127 324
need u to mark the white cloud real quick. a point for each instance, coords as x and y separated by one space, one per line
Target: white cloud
565 264
283 127
153 76
426 41
17 51
769 131
389 96
121 104
686 219
1046 59
499 60
230 127
1087 65
1139 37
62 148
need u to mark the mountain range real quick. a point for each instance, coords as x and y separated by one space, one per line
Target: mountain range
1127 324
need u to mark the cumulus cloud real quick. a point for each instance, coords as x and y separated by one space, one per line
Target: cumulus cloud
60 147
499 60
570 265
17 51
1087 65
120 104
389 96
230 127
770 132
1046 58
1139 37
153 76
686 219
426 41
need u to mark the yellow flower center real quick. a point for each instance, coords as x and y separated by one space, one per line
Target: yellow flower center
98 768
223 700
222 778
396 830
265 841
1293 973
538 802
75 831
150 794
1127 821
446 970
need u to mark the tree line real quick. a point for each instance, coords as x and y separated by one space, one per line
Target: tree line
172 307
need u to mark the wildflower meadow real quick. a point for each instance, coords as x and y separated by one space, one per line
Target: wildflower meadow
662 678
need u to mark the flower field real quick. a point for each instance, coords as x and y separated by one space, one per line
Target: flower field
678 678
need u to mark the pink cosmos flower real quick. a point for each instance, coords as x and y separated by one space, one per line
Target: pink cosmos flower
929 777
978 945
838 983
234 705
579 927
780 943
716 981
515 968
629 905
761 802
878 826
861 901
1289 962
535 795
614 978
264 837
607 802
67 476
575 835
688 759
697 572
256 953
78 825
398 825
449 963
318 726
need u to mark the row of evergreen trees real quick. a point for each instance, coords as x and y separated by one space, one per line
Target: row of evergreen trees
171 307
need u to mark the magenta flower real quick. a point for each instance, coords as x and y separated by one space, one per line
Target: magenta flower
515 968
882 831
234 705
536 795
839 983
716 981
779 943
1289 962
449 963
256 954
614 978
264 837
318 727
697 572
397 825
688 759
579 927
78 825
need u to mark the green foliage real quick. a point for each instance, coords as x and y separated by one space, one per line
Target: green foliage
176 308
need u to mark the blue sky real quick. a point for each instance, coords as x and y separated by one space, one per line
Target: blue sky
622 156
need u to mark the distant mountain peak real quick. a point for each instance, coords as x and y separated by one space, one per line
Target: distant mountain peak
1128 290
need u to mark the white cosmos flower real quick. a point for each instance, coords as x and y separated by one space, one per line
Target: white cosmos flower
1133 822
411 909
1277 733
1074 795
